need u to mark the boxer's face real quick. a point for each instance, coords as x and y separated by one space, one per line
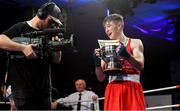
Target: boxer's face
113 29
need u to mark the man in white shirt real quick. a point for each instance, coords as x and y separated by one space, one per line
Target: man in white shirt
87 100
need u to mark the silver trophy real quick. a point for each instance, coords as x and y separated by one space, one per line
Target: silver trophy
110 56
112 59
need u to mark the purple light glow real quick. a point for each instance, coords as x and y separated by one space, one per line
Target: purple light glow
171 29
170 39
155 30
140 29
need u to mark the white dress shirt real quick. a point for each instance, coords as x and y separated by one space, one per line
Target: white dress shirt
8 92
86 101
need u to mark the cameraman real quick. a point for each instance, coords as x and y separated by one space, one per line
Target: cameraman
30 76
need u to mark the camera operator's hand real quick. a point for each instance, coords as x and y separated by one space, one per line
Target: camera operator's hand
29 52
56 38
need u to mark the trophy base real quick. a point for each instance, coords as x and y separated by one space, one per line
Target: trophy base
113 71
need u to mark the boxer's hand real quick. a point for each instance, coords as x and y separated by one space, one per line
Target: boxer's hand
96 55
122 51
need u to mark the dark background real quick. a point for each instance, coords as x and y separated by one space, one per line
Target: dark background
155 22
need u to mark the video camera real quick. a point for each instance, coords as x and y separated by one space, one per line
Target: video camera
44 42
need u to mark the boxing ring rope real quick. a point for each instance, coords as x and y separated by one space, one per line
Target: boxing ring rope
165 106
162 89
4 102
148 91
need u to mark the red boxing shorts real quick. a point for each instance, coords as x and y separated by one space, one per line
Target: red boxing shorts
124 95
